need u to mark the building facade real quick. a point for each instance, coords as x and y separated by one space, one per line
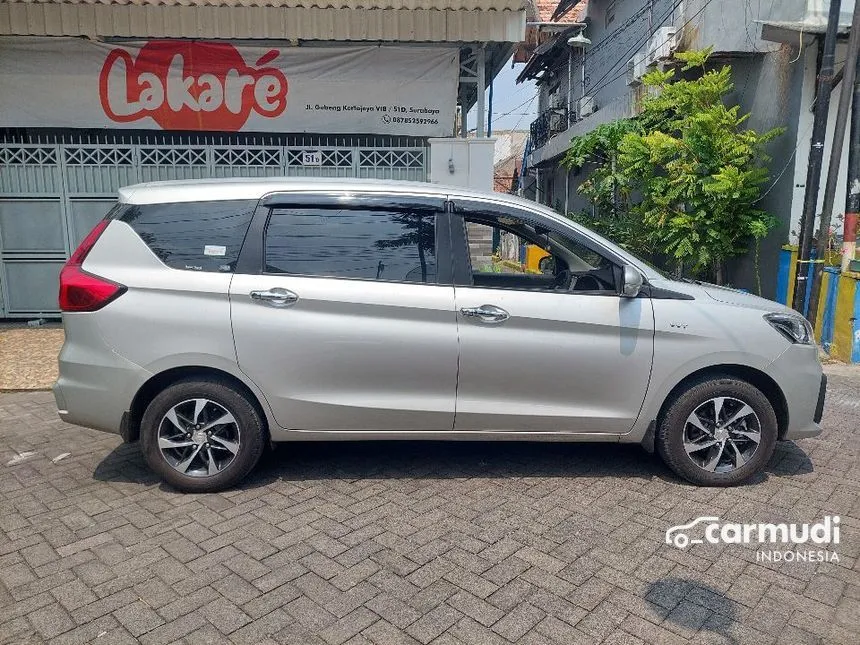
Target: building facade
98 94
772 48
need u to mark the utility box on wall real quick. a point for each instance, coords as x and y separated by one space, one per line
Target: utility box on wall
462 162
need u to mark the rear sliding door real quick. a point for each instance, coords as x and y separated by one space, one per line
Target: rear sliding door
346 321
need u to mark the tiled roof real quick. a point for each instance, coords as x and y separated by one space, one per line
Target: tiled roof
452 21
542 11
545 9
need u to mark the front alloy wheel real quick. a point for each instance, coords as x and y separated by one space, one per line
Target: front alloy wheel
718 431
722 434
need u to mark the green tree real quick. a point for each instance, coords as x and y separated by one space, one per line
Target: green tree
680 180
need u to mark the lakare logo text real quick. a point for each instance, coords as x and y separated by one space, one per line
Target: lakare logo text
795 539
190 86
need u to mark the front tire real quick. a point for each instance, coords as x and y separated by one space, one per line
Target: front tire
719 431
202 436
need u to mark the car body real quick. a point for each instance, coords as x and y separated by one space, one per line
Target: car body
359 309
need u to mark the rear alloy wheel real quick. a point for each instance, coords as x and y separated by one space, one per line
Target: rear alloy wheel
199 437
202 436
718 432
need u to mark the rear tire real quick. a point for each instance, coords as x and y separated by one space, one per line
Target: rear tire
719 431
202 436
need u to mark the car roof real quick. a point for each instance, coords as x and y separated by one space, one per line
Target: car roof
161 192
237 188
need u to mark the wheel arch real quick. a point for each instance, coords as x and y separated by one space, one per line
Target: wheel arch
164 379
751 375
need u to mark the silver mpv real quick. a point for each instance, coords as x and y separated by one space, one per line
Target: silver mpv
210 318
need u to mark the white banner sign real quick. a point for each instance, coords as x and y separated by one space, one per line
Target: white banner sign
193 85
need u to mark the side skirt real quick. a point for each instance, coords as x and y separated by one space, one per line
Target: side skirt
451 435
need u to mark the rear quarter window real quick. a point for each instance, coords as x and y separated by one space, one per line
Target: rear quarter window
192 236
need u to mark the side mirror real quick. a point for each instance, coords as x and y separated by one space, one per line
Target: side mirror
631 281
546 265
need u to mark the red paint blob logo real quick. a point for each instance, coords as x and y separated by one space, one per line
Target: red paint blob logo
190 86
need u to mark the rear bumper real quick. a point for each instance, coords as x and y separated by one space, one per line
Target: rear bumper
95 385
93 397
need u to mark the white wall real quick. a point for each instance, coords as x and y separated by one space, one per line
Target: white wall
804 132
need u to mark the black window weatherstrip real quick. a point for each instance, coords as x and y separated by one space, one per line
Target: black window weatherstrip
250 260
444 256
367 201
659 293
461 260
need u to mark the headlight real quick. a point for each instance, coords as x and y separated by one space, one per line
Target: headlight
793 326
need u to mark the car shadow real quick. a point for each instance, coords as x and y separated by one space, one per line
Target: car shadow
692 607
354 460
125 464
456 459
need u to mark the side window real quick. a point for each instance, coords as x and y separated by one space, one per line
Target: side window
495 250
193 236
511 253
397 246
590 259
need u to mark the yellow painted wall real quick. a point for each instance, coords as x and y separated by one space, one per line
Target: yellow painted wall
841 347
843 327
822 303
534 254
833 259
791 274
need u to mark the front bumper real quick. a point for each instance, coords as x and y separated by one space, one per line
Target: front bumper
822 394
798 374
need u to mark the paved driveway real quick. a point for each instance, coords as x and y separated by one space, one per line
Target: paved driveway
414 542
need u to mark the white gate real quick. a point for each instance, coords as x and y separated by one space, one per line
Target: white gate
55 187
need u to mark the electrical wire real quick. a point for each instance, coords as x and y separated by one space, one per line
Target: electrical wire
621 28
512 110
800 140
625 25
799 47
747 21
598 86
605 79
636 45
523 114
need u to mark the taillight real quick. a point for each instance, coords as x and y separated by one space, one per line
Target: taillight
82 291
88 243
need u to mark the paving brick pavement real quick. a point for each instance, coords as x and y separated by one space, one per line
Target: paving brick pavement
414 543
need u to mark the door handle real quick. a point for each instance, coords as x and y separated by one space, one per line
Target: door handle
486 313
276 297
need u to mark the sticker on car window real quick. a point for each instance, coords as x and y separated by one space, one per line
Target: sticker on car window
214 250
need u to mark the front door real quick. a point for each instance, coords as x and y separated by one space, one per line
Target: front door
546 344
348 324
